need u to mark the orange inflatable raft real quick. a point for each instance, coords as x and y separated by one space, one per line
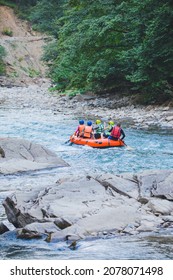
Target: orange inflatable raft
96 143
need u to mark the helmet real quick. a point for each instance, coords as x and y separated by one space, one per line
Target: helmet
111 122
81 122
98 121
89 123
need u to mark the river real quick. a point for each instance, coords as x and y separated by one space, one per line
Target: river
148 150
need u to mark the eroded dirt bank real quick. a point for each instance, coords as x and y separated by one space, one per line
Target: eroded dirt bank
24 48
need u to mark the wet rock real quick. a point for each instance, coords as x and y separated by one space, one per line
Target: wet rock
168 218
169 118
62 223
146 227
149 223
163 186
161 206
48 237
2 153
140 186
73 245
91 205
14 214
127 186
155 183
72 237
3 228
42 227
20 155
130 229
28 234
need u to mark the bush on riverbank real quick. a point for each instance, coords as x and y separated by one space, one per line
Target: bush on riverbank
2 64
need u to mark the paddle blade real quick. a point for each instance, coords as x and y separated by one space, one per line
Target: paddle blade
129 148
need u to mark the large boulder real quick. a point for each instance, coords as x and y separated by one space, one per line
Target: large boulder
3 228
141 186
89 206
18 155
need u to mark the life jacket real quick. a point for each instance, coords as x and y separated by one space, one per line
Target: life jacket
81 129
109 129
87 131
116 132
100 128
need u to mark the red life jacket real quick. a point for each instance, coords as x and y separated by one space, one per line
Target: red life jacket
116 132
87 131
81 129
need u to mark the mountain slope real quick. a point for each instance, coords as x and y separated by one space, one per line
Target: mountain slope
24 48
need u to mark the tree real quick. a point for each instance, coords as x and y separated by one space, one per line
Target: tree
148 61
90 40
44 15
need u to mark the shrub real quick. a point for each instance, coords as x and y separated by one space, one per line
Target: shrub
7 31
2 64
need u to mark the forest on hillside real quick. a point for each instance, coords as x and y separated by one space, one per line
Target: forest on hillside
103 46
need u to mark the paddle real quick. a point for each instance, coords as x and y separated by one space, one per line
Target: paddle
127 147
67 141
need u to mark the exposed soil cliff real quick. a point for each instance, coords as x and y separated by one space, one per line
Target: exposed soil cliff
24 47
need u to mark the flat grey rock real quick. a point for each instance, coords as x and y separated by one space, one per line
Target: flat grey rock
92 205
19 155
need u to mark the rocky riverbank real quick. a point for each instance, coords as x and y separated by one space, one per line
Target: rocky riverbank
86 106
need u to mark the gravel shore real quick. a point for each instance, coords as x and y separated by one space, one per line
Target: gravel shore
87 106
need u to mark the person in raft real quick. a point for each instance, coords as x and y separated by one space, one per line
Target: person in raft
117 133
88 131
108 129
80 128
98 130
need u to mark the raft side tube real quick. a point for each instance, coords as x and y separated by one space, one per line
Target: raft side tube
102 143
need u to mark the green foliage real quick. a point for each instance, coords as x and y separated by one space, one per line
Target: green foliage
108 45
150 52
13 74
23 8
2 64
44 15
7 31
2 52
50 52
10 4
89 42
33 73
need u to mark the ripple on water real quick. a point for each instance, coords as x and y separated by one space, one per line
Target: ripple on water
139 247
